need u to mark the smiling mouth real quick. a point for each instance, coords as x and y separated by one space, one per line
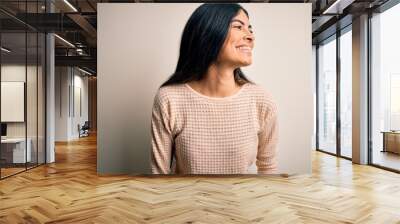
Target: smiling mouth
244 49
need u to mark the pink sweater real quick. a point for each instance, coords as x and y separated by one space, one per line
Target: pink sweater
237 134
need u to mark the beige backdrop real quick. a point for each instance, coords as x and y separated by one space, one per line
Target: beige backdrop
138 46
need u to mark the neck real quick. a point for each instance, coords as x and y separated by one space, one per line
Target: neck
218 82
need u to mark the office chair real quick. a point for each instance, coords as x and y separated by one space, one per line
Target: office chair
84 130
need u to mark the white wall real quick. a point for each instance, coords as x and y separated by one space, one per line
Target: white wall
68 81
61 103
80 84
138 46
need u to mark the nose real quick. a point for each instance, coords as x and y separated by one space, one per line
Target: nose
249 37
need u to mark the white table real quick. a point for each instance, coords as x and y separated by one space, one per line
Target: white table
19 155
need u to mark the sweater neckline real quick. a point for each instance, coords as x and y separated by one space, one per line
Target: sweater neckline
216 98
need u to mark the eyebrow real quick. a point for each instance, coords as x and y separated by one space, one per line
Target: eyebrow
237 20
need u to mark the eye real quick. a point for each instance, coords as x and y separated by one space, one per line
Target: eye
238 26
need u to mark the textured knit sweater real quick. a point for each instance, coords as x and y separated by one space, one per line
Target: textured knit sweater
197 134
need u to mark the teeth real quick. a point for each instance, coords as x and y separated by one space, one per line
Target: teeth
245 48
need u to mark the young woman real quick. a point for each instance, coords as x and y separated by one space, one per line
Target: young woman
208 118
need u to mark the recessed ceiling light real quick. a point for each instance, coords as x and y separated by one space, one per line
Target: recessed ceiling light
64 40
70 5
84 71
338 6
5 50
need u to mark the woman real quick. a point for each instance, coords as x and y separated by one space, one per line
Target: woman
208 118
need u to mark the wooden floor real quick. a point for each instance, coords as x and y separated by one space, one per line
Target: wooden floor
70 191
9 171
5 172
387 159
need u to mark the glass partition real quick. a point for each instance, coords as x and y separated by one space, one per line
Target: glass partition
22 77
13 95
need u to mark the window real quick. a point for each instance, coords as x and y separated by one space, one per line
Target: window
385 88
346 93
327 96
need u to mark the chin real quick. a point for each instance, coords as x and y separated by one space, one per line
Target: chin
245 63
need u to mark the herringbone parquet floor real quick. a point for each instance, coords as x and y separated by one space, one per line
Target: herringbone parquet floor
70 191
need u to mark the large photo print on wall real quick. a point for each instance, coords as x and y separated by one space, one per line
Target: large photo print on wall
204 89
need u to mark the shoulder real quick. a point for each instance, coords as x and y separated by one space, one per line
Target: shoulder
169 96
263 98
167 93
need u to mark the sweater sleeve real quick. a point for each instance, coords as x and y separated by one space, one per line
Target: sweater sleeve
161 138
267 142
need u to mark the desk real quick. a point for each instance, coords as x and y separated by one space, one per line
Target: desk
15 148
391 141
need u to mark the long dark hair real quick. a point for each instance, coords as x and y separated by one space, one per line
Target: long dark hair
202 39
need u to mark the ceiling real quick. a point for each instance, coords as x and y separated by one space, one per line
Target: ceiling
76 22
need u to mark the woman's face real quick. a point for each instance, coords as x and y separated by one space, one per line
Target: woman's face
238 46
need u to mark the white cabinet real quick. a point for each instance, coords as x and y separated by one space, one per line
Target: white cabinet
18 147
